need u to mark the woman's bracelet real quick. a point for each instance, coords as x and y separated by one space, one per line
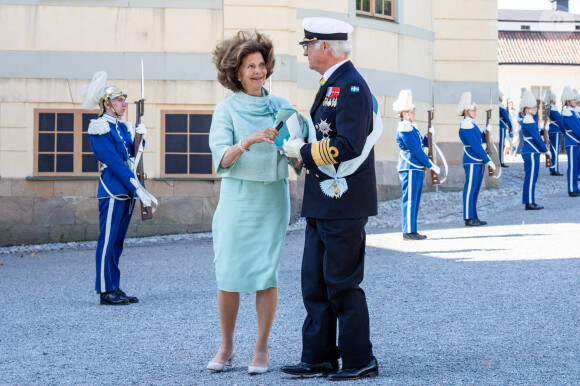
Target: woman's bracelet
241 147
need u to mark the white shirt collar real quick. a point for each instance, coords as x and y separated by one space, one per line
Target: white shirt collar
110 118
331 70
468 119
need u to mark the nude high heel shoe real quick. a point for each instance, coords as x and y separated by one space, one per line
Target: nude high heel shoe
253 370
219 367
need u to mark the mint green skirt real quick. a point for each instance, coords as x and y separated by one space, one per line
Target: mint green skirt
249 227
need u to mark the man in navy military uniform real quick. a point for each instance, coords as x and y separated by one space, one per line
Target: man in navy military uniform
555 131
113 146
339 195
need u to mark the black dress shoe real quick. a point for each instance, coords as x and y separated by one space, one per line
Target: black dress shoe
533 207
131 299
413 236
370 370
504 166
473 222
113 299
555 173
304 369
574 194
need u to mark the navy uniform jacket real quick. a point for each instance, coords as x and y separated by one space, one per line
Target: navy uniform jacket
411 142
556 124
473 139
572 127
533 142
112 145
505 121
343 110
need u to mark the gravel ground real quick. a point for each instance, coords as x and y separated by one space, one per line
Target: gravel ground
490 305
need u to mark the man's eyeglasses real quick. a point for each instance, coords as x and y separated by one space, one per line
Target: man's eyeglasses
305 46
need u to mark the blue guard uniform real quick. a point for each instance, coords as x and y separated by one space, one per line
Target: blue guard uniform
505 124
474 160
333 261
533 146
571 143
411 168
113 146
555 131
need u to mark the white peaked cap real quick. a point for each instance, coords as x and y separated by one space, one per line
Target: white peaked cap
324 28
527 100
567 95
404 102
465 103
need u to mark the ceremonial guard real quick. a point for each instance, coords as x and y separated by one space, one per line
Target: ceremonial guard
474 159
112 143
505 129
533 146
412 164
339 194
555 131
571 139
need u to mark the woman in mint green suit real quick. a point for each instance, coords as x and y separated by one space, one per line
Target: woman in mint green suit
253 212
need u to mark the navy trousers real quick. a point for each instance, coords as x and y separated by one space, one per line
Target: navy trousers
332 270
502 134
573 166
554 150
532 169
114 218
471 188
412 187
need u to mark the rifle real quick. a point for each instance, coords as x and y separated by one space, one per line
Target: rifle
430 116
545 130
488 143
146 211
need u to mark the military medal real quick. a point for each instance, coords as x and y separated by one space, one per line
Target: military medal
324 128
331 95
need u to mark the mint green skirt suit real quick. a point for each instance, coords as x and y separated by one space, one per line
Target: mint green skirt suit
251 219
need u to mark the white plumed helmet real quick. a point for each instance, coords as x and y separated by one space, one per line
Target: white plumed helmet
97 92
527 100
465 103
567 95
576 93
404 102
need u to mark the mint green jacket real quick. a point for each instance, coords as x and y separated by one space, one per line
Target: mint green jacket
234 119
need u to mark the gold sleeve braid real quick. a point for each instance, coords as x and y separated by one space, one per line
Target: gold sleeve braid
323 153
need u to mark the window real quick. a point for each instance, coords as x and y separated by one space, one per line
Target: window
62 147
525 27
185 144
578 28
378 8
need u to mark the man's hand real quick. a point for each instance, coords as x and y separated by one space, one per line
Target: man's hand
491 165
436 169
140 129
292 148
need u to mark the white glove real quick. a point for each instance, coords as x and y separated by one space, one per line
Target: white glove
140 129
143 196
488 128
436 169
432 130
491 165
292 148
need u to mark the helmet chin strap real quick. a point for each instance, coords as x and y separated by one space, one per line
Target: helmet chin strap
108 102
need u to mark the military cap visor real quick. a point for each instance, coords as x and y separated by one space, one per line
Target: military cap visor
322 28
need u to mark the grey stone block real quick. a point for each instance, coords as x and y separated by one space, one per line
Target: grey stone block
17 210
53 210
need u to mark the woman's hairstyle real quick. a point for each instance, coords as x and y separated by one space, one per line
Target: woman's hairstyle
229 54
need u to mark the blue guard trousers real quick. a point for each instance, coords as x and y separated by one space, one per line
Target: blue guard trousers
555 150
114 219
532 169
573 166
412 186
473 180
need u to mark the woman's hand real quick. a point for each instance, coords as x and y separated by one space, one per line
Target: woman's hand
296 163
267 134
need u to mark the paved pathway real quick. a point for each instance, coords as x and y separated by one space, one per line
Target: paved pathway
490 305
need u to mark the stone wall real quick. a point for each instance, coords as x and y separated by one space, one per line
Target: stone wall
37 211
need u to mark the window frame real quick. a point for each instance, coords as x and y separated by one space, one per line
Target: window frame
380 16
166 176
77 144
